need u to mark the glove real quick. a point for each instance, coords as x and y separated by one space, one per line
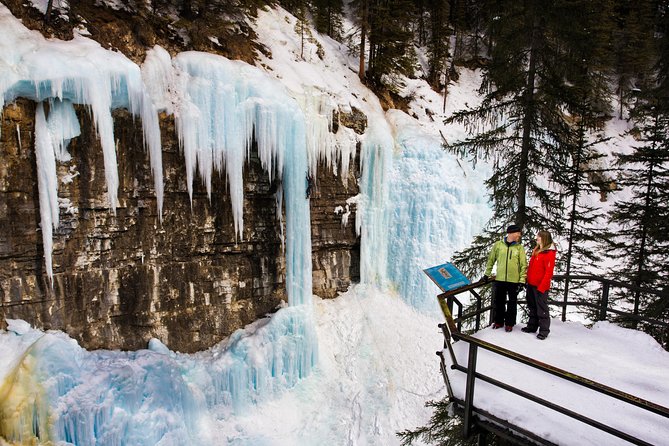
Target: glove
484 279
521 287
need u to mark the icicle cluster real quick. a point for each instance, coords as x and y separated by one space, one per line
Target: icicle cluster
433 212
220 108
79 72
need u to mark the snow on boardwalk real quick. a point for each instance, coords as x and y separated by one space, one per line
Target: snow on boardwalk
627 360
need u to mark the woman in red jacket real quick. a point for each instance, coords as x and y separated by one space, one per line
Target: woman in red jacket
539 274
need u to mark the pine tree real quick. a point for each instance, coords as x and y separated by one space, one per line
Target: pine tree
328 16
361 9
539 85
438 40
443 429
586 65
642 245
633 41
390 41
643 242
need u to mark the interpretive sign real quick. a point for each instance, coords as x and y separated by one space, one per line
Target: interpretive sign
447 277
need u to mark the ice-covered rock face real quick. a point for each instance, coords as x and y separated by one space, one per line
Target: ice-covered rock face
220 107
79 72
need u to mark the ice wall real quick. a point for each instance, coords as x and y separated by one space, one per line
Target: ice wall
59 392
220 107
418 206
436 205
52 389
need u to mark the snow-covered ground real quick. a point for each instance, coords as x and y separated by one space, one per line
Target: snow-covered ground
377 367
627 360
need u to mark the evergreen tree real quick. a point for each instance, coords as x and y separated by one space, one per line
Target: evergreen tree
585 69
361 9
438 40
633 41
390 41
534 84
642 244
328 16
443 429
302 25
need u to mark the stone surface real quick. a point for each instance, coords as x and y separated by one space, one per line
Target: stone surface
121 278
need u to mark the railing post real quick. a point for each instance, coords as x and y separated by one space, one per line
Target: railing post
478 310
637 296
564 301
469 390
604 305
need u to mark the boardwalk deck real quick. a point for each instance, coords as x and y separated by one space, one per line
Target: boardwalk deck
627 360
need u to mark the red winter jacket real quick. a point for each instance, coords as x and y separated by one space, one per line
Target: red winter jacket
540 269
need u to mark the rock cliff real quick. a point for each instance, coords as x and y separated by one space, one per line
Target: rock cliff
121 278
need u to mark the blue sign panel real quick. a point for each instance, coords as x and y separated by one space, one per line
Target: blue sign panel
447 276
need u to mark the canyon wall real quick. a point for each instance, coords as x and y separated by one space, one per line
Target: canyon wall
123 277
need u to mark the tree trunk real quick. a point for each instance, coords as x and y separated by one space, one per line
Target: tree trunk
47 14
644 227
528 119
572 215
363 31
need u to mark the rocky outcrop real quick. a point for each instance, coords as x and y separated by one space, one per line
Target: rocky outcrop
121 278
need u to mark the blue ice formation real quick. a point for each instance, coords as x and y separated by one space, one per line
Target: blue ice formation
221 107
372 219
82 72
75 72
151 396
415 210
433 212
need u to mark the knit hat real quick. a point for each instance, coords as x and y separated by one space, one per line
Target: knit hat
512 228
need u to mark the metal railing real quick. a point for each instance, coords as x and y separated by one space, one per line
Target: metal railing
473 374
452 331
600 306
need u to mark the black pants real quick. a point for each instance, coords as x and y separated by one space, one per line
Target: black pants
537 304
505 313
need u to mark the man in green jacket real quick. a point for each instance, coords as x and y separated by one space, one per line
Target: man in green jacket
511 260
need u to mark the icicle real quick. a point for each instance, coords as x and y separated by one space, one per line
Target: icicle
47 185
372 216
63 125
152 143
318 107
18 136
82 72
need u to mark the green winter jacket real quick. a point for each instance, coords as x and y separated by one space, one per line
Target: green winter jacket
511 262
